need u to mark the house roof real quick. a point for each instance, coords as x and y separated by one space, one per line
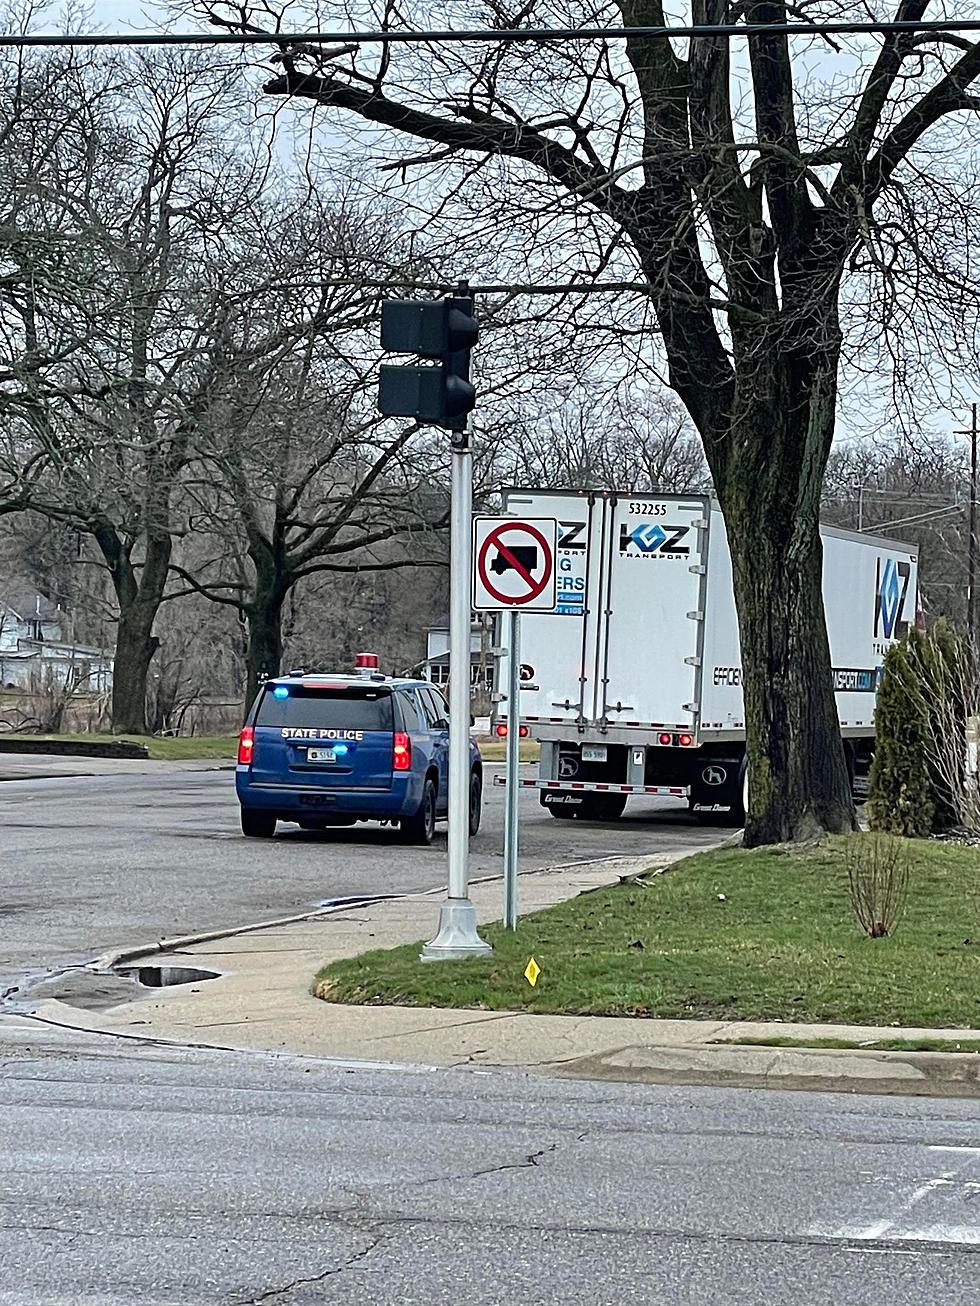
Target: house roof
442 659
25 602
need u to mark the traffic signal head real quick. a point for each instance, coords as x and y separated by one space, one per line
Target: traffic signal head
443 329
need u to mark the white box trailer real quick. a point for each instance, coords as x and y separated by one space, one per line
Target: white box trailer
634 684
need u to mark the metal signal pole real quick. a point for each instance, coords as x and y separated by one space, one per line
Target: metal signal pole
457 935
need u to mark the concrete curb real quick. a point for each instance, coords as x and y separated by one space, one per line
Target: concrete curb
118 956
825 1070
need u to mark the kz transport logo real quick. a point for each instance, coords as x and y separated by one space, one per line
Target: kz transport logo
654 540
892 587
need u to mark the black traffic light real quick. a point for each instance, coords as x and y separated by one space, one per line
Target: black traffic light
443 329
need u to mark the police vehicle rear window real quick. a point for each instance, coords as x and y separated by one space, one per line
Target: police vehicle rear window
328 709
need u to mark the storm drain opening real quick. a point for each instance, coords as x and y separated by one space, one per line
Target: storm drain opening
358 899
161 977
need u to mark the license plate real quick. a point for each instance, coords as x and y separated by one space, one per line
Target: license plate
321 755
593 752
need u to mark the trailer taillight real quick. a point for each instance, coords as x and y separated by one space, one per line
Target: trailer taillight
665 739
522 731
686 741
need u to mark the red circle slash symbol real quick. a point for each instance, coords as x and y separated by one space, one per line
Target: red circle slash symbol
535 587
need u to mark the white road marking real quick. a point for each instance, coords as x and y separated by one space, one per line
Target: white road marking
895 1225
964 1234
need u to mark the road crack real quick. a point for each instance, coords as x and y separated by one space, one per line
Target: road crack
271 1294
529 1162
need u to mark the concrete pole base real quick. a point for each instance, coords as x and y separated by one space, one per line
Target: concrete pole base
456 938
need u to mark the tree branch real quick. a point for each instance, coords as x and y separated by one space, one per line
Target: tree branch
483 133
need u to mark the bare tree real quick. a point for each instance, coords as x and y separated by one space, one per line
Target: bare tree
115 321
912 487
743 216
294 473
173 313
299 495
630 439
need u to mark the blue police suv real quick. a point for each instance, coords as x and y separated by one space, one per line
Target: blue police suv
325 750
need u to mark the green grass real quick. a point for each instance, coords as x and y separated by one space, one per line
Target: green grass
495 750
184 748
783 945
873 1045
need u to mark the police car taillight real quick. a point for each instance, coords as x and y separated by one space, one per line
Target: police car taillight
367 663
246 743
403 752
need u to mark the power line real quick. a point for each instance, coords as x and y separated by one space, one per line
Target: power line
508 36
919 517
448 287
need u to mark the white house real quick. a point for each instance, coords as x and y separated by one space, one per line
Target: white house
35 654
436 665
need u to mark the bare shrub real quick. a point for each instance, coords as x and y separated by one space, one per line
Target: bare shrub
878 875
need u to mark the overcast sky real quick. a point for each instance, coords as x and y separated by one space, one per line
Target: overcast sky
123 15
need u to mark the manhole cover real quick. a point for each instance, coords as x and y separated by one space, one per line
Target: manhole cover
161 977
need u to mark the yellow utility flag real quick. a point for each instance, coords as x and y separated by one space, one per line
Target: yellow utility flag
531 972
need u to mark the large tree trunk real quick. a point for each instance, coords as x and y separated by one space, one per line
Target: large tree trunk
139 597
135 647
263 656
782 429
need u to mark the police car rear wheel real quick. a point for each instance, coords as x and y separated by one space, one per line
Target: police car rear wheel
420 827
256 824
476 803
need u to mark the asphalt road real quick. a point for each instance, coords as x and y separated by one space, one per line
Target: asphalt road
89 863
165 1176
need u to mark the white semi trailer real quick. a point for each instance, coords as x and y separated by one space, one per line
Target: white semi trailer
634 684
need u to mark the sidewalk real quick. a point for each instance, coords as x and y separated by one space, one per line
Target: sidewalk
46 766
261 1001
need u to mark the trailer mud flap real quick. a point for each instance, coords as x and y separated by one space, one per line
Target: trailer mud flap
716 786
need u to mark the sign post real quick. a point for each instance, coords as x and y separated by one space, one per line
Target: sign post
512 792
514 572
